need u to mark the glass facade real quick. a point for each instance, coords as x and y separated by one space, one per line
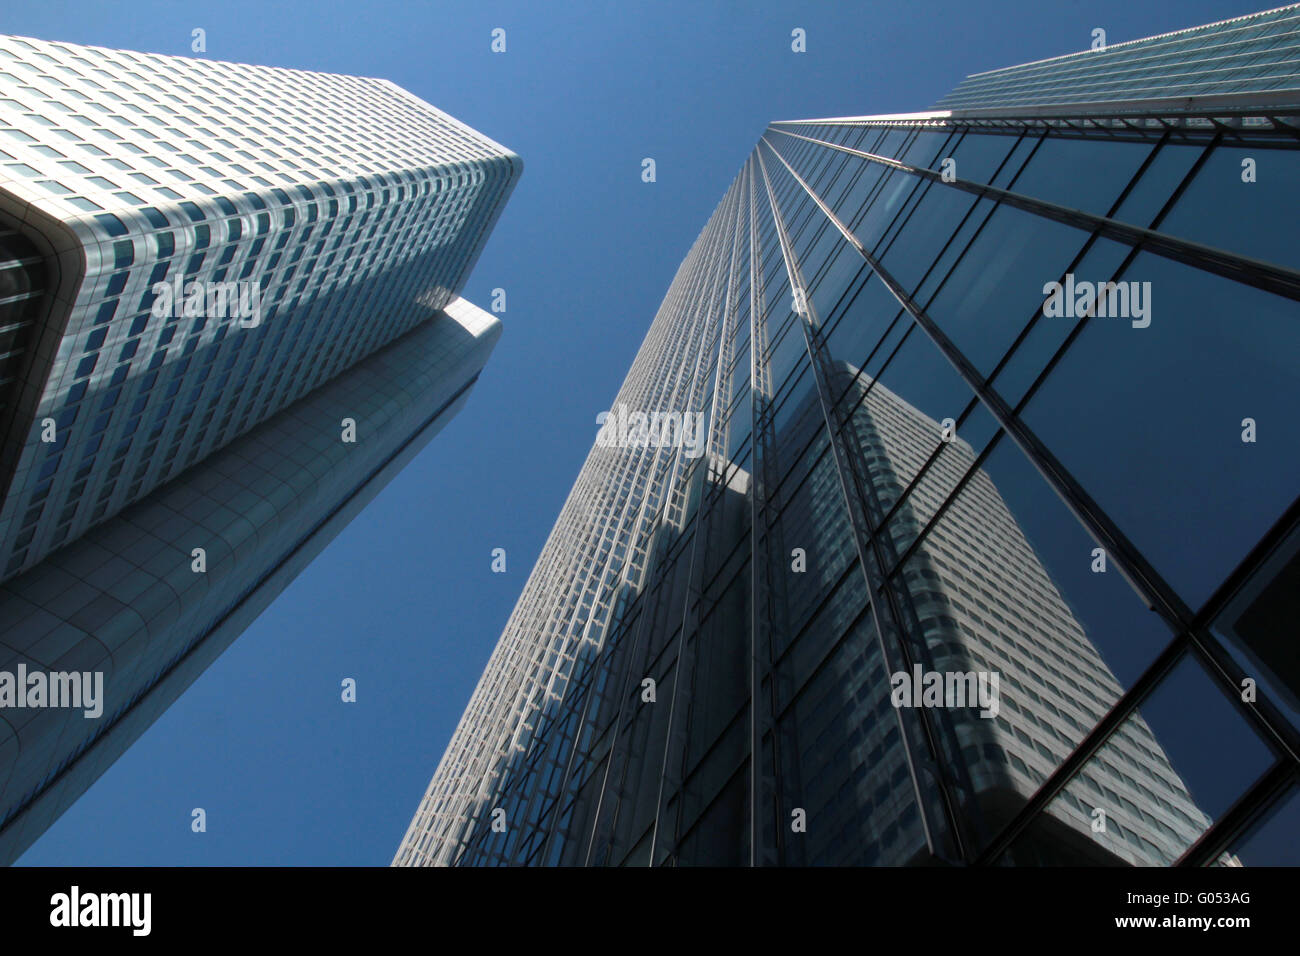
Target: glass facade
1253 55
996 402
133 437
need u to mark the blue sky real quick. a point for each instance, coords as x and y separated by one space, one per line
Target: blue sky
404 600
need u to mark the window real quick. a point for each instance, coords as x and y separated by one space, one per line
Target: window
106 312
111 224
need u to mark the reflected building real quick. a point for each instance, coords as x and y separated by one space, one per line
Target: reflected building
913 465
971 598
168 467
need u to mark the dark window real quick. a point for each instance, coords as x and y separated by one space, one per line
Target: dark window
111 224
105 313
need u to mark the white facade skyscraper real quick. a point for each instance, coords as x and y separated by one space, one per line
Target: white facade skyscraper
229 314
336 195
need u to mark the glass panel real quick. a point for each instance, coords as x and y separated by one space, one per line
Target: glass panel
979 155
864 178
1156 785
956 245
812 519
933 486
1012 165
1258 627
1254 219
798 423
900 416
786 351
929 227
1087 174
836 286
1158 183
892 142
1003 586
1274 840
865 318
830 242
1046 335
1171 405
927 148
831 186
998 284
842 755
870 225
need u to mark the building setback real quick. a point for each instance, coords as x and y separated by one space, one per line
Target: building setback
229 314
917 464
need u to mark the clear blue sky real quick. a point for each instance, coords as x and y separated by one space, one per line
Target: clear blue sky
404 600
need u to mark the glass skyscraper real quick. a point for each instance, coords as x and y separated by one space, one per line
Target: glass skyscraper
990 555
229 314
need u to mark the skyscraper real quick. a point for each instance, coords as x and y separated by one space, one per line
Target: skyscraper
230 315
986 390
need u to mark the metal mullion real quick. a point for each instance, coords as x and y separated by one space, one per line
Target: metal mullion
1249 565
911 486
766 594
853 491
698 276
1223 669
1276 782
690 611
1251 272
1078 258
764 796
1263 716
1131 561
1087 748
718 443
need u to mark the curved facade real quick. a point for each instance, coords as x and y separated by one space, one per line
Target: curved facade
229 314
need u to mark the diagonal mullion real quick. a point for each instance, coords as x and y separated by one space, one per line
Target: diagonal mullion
1262 714
1252 272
